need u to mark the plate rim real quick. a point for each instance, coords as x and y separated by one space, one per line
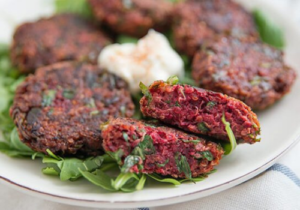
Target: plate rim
162 201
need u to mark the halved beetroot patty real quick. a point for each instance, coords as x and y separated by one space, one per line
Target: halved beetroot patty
200 111
148 147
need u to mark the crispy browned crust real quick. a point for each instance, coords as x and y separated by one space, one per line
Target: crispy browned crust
196 22
133 17
248 70
61 108
61 37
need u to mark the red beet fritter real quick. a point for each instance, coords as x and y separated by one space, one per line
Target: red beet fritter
200 111
61 107
61 37
248 70
196 21
151 148
133 17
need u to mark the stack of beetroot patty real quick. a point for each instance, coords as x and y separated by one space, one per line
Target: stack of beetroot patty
148 147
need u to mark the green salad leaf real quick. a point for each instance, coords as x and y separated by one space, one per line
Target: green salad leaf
228 148
70 168
268 30
122 39
80 7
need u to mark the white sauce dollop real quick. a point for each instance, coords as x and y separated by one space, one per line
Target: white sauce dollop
152 58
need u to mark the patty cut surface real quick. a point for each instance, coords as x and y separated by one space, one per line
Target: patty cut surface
200 111
133 17
62 37
245 69
152 148
61 108
196 21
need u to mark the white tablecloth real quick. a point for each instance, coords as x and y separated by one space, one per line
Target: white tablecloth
276 189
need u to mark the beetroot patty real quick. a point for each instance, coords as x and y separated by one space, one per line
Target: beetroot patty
151 148
61 37
133 17
196 21
200 111
61 106
245 69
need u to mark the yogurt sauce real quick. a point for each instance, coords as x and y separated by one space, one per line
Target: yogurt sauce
152 58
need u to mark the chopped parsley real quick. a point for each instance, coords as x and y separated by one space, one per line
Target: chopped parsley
207 155
125 136
48 97
202 127
183 165
211 104
163 164
129 162
69 94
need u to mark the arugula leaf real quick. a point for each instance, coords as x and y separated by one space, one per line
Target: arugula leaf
122 179
80 7
268 31
99 178
116 155
146 92
228 148
141 182
69 168
173 80
126 39
163 179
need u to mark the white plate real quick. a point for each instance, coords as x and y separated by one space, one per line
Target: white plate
280 132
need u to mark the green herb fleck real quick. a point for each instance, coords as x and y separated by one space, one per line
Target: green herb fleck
207 155
129 162
69 94
147 145
91 103
95 112
125 136
146 92
173 80
48 97
211 104
163 164
183 166
202 127
228 148
195 141
177 104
